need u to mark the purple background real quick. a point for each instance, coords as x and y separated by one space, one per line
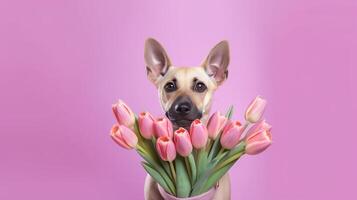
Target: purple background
63 63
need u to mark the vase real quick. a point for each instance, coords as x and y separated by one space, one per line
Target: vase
205 196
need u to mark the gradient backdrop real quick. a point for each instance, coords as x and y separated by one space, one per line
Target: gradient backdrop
63 63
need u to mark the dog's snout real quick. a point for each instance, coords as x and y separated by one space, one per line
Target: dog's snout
183 108
183 111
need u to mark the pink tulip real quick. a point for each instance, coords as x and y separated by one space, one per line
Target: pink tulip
231 135
215 125
182 142
146 124
124 136
258 142
123 114
261 125
199 134
166 148
255 110
163 127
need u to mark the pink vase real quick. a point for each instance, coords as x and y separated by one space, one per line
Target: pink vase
205 196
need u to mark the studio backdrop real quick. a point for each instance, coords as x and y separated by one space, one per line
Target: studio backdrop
63 64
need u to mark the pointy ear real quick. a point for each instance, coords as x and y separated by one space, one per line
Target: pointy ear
156 59
216 63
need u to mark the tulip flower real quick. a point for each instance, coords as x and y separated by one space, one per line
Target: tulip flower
146 124
231 135
123 114
166 148
215 125
258 142
261 125
163 127
255 110
182 142
124 136
199 134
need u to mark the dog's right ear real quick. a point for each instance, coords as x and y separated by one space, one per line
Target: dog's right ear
156 59
216 63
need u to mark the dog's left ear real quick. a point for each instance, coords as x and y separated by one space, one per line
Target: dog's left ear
156 59
216 63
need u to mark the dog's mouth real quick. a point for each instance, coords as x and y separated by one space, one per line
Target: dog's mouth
182 122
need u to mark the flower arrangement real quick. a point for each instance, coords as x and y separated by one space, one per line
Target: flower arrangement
187 163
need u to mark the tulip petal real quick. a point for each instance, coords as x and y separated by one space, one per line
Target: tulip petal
231 135
166 148
258 142
199 134
255 110
146 125
129 136
182 142
116 136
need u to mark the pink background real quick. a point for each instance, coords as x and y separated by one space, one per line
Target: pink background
63 63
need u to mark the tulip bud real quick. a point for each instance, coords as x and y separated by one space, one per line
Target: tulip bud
215 125
166 148
182 142
259 126
255 110
146 124
124 136
199 134
258 142
231 135
163 127
123 114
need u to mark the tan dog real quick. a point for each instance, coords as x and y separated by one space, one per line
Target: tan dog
185 94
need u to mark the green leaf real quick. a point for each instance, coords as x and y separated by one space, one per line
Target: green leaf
203 175
183 183
201 161
218 159
230 159
240 147
157 177
215 177
231 155
159 169
219 171
191 161
202 170
149 154
199 183
230 111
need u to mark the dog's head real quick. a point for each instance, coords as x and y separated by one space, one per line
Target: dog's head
186 92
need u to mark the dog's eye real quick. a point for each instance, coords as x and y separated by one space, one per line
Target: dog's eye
200 87
170 87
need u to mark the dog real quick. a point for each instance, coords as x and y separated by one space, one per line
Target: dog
186 94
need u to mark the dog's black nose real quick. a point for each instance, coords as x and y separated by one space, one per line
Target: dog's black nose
183 108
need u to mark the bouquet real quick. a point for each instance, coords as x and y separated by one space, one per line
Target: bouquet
188 163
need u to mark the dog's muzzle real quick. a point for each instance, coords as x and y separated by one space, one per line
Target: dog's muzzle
182 112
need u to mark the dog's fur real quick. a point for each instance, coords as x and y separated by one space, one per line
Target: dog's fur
185 94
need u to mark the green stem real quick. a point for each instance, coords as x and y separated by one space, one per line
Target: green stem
231 159
138 147
220 152
172 170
